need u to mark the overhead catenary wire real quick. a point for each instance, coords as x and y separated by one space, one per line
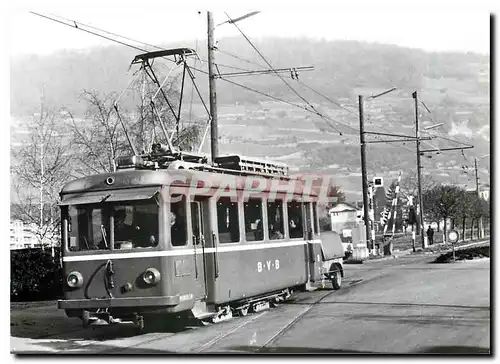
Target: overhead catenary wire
271 67
107 32
239 58
287 102
74 26
205 72
194 68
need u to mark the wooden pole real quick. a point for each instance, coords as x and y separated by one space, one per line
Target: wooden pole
213 94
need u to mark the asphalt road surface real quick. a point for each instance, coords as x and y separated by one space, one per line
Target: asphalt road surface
403 305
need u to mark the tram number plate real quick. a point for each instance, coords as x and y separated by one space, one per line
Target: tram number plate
186 297
268 265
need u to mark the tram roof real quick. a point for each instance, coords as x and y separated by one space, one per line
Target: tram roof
131 179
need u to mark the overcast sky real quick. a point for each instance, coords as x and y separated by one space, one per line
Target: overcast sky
429 25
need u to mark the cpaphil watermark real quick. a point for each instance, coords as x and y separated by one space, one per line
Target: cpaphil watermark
304 187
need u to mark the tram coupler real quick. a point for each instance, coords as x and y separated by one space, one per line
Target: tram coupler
98 319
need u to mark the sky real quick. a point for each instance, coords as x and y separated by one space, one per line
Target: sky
430 25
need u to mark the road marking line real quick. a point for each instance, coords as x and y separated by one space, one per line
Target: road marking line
234 329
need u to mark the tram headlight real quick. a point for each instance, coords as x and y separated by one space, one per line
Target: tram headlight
74 279
151 276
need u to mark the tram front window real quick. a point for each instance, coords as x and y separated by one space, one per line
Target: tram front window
88 228
135 225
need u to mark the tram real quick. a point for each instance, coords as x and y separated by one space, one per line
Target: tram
170 233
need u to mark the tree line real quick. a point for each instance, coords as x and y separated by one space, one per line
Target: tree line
442 203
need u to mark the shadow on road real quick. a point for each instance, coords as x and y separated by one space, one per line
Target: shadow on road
99 350
98 333
309 350
454 350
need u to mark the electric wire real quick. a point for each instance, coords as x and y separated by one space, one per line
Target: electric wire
269 64
289 103
239 58
74 26
107 32
228 66
306 101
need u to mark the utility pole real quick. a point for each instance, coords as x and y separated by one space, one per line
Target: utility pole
477 178
363 169
214 135
42 124
419 171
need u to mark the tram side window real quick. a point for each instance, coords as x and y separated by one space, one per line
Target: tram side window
196 222
227 220
295 219
275 220
88 228
178 220
253 220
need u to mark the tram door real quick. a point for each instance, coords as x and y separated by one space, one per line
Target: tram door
198 221
314 250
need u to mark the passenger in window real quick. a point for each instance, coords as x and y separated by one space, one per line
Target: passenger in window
275 222
177 230
259 232
123 232
275 234
295 227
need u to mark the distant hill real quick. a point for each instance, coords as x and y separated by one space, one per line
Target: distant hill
341 67
454 86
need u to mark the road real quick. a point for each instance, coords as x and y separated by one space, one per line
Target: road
403 305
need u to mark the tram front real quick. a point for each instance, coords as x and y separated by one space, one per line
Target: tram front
116 261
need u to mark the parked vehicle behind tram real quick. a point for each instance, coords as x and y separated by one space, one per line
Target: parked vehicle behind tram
172 234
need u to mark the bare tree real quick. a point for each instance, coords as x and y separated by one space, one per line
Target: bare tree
97 138
39 168
409 185
464 209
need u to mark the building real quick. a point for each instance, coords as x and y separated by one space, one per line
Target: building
484 192
22 236
343 216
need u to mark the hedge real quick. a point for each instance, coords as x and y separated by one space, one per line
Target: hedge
465 254
35 275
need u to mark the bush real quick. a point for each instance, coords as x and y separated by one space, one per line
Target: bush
325 224
34 275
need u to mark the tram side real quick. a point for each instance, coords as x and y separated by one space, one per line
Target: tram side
132 249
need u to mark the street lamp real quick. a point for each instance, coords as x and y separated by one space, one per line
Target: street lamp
364 177
433 126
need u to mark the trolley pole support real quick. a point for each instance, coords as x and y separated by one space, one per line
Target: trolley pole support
363 169
214 135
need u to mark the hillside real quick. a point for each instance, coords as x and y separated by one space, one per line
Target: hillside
454 86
